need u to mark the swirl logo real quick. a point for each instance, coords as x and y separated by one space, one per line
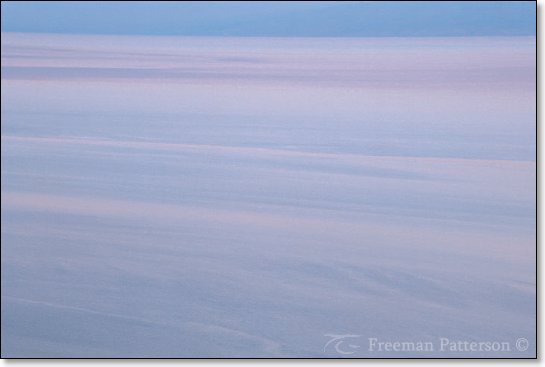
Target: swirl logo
340 344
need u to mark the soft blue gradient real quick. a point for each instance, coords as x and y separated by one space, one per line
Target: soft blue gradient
334 19
247 197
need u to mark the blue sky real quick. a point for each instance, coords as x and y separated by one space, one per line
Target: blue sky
337 19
